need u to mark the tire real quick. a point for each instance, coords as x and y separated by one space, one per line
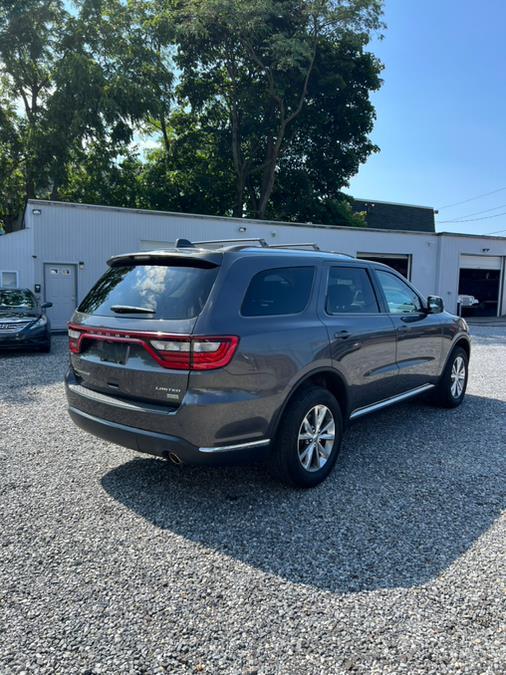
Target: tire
300 461
452 387
45 348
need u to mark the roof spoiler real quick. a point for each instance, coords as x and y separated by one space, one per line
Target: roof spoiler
193 258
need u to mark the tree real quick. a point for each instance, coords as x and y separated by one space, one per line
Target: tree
254 61
330 139
11 176
81 78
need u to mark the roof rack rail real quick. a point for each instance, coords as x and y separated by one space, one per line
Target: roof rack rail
306 245
261 241
346 255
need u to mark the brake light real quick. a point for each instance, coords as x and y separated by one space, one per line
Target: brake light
173 353
214 352
74 336
196 353
178 352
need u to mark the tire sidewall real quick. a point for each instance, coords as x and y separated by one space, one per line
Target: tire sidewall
289 436
452 400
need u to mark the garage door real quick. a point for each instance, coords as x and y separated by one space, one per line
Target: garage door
480 262
401 262
480 278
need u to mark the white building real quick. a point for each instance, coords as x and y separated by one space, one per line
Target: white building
62 250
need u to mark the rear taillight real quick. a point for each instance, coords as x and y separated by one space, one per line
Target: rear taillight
196 353
74 336
178 352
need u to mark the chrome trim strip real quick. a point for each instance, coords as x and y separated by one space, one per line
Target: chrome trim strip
239 446
359 412
98 397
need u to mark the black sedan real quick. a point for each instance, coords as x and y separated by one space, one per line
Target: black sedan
23 322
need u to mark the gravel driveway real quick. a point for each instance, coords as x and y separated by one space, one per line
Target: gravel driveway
114 562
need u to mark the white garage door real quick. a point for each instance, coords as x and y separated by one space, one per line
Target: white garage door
480 262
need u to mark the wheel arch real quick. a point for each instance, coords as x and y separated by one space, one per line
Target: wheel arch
325 377
464 343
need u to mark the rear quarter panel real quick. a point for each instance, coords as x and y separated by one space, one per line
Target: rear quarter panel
274 353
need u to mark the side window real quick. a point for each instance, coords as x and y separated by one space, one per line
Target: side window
350 290
285 290
400 298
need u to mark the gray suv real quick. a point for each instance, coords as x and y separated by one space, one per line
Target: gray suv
215 352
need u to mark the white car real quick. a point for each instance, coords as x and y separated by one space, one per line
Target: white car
468 300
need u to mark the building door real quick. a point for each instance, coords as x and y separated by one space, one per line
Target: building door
479 278
60 289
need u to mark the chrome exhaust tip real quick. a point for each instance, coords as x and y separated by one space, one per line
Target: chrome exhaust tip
175 459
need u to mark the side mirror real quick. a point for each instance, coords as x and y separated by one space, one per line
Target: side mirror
46 305
435 304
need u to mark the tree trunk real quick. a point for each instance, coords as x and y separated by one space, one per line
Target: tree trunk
238 210
269 174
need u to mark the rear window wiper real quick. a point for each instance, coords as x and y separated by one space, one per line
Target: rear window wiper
129 309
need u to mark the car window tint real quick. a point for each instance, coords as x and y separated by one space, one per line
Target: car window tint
401 299
285 290
350 291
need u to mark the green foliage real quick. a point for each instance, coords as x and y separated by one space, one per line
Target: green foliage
256 107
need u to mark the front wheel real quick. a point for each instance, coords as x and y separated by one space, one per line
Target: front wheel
452 386
309 438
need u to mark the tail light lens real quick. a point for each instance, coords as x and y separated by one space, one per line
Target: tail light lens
171 351
74 336
196 353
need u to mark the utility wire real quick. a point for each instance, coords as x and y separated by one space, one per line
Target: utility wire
496 232
471 199
476 213
471 220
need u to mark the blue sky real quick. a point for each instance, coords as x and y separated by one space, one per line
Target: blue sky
441 113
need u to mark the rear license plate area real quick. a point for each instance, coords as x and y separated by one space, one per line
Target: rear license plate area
113 352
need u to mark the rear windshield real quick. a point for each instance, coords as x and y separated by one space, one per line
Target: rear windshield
166 292
17 298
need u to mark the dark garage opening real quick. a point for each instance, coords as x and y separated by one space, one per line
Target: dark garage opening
399 262
484 286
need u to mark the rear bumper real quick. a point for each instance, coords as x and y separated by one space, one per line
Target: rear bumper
186 432
169 447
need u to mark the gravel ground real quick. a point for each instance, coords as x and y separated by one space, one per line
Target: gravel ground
114 562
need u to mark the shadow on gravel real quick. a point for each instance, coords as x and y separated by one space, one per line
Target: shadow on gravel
413 489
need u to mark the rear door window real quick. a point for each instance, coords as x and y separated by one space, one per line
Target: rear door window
350 292
155 291
283 290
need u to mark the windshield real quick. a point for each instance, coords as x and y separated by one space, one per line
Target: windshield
151 291
17 298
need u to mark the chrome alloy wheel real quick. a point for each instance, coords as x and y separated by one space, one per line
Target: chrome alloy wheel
458 377
316 439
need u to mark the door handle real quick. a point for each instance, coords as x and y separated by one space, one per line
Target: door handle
342 334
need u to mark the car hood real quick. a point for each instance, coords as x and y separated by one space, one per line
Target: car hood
18 315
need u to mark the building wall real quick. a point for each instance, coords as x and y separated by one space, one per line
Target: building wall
16 250
89 235
455 246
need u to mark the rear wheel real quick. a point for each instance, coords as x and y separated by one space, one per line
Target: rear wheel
452 386
309 438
